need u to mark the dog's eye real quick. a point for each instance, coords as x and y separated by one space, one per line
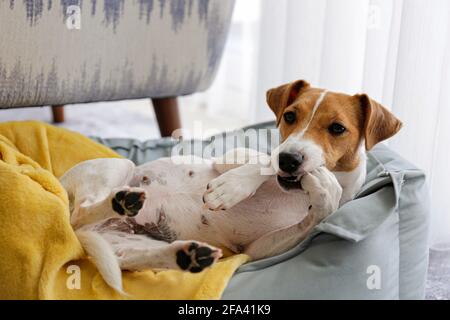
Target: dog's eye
336 129
289 117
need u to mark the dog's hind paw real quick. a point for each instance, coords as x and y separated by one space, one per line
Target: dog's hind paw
128 201
195 256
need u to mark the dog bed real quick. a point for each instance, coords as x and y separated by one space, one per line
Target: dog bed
374 247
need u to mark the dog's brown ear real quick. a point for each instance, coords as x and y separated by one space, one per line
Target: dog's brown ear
379 124
281 97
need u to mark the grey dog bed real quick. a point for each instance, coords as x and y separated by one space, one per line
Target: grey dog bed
374 247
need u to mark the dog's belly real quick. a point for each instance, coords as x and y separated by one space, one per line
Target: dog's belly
267 210
174 209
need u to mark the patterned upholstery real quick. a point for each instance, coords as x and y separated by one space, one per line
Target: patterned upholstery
122 50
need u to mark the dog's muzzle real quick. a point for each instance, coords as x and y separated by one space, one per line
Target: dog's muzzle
290 162
289 177
290 183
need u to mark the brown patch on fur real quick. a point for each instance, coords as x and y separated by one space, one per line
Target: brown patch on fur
340 151
380 124
204 220
239 248
158 231
151 177
161 229
115 224
282 96
146 180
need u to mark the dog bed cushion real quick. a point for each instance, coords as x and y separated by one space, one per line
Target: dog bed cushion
41 256
374 247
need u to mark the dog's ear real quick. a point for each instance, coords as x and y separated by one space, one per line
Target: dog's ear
281 97
379 123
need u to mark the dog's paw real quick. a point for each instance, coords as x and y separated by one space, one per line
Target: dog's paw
324 191
230 188
195 256
220 193
128 201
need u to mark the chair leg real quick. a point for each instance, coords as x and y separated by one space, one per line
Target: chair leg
167 115
58 113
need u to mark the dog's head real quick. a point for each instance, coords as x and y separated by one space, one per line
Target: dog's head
324 128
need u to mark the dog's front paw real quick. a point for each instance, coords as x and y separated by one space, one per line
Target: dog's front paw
128 201
230 188
195 256
324 192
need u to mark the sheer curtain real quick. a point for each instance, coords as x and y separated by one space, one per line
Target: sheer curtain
396 51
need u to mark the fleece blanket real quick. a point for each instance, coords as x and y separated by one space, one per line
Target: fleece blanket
41 258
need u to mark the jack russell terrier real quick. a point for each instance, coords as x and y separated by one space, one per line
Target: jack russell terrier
180 216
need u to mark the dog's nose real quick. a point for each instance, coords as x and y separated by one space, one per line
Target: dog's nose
289 162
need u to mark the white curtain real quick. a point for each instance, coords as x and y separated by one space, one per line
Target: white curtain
397 51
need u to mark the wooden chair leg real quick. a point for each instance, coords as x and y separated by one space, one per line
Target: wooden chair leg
167 115
58 113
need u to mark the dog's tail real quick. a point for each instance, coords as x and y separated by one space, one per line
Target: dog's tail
103 257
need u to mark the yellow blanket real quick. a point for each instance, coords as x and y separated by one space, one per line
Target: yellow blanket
41 257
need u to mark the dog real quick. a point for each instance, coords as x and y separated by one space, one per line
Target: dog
181 216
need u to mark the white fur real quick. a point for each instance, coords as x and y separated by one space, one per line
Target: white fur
235 185
312 152
103 257
352 181
89 183
254 225
313 113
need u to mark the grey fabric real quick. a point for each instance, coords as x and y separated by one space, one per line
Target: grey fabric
123 50
386 226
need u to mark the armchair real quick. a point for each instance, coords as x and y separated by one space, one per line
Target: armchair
78 51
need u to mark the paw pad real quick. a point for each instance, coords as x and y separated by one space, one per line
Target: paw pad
195 257
128 202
